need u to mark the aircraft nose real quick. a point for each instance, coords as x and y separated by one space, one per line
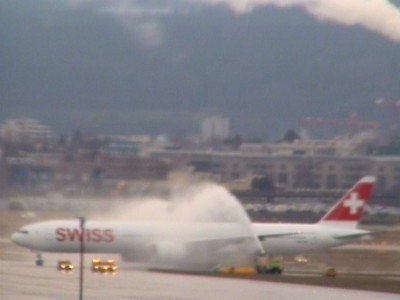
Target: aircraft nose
17 238
14 237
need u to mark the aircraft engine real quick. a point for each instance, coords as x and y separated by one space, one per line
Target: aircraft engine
140 254
168 254
133 257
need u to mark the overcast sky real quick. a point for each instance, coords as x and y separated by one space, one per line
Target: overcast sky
124 66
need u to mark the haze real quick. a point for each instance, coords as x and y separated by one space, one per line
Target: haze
156 67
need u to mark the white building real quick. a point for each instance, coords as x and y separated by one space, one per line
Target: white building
26 131
340 146
214 128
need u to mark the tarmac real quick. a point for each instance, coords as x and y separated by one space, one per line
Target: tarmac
21 279
370 270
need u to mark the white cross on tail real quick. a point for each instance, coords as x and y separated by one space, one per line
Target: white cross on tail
354 203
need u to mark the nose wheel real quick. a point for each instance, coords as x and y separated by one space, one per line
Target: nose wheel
261 261
39 260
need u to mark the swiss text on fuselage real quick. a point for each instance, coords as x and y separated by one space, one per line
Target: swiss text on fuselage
91 235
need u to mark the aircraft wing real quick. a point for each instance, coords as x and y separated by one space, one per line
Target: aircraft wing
353 236
236 239
263 237
225 240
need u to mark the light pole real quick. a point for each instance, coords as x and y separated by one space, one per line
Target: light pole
82 251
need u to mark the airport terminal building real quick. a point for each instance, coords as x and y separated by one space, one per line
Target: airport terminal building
96 163
322 165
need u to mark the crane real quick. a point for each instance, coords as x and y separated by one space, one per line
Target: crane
352 123
394 106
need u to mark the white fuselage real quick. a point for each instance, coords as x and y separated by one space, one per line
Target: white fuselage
198 245
293 239
127 237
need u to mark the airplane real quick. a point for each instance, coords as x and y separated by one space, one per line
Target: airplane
201 245
339 226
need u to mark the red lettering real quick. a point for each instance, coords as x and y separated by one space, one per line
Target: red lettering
74 234
108 236
91 235
60 234
97 237
88 235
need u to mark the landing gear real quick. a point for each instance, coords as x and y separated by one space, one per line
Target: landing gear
268 265
261 262
39 260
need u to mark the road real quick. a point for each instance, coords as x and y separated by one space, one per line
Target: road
374 269
21 279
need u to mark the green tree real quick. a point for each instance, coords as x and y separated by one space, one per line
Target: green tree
262 184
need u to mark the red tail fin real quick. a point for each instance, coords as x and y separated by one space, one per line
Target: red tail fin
351 206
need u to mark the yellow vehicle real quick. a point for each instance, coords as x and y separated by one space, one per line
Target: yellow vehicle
65 265
96 264
238 270
266 266
100 266
330 272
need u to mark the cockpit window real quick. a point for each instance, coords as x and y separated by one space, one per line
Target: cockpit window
23 231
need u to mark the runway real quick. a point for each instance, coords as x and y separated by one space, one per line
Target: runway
20 279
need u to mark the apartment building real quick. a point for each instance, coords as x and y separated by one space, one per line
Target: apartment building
290 172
